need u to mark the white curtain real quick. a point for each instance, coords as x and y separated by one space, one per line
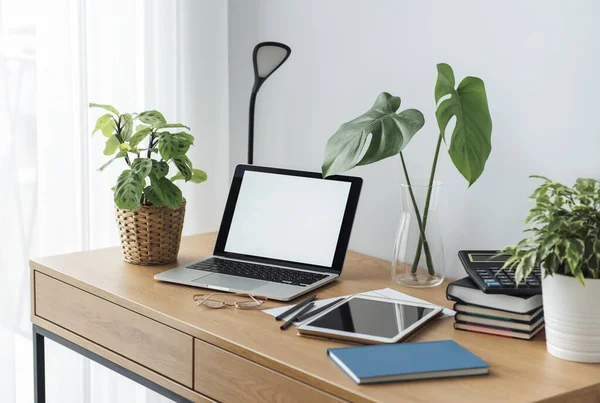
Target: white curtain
56 56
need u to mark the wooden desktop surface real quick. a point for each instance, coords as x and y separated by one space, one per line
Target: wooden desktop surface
520 371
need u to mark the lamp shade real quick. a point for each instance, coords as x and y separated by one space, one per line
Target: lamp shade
268 57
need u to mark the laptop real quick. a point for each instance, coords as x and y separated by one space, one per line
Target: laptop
283 233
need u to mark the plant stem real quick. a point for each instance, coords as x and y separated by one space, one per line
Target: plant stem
150 145
427 200
430 268
118 129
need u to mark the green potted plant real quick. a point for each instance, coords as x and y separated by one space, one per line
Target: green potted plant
381 132
564 240
150 207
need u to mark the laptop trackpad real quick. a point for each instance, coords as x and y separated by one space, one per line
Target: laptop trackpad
232 282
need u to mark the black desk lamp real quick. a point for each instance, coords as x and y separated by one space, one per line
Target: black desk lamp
266 58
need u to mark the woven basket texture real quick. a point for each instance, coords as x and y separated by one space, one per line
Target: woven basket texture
150 235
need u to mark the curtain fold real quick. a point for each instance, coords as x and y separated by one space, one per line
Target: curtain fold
169 55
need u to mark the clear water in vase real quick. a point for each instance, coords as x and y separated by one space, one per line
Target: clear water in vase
418 259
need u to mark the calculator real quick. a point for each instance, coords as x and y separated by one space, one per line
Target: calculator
483 267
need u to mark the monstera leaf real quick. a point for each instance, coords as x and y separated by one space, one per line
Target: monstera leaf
470 145
390 133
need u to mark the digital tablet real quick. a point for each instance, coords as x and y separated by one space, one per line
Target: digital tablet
370 320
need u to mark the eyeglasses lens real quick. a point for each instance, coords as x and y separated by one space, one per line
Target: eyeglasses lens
214 304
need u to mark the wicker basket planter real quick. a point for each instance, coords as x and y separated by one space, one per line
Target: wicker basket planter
150 235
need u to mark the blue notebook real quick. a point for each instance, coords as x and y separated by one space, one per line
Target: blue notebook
407 361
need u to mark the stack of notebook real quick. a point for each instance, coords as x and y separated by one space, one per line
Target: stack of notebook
501 315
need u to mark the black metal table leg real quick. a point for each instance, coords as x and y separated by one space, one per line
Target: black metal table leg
39 367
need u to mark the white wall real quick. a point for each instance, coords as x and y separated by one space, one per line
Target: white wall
539 60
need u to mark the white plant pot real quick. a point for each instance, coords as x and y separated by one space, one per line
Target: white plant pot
572 316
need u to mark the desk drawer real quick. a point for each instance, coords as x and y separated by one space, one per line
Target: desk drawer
229 378
158 347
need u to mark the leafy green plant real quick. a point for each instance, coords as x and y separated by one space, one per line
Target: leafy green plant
169 149
390 132
565 232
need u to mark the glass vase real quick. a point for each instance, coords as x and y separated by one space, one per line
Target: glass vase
419 255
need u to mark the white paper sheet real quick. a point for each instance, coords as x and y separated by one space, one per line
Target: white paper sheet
383 293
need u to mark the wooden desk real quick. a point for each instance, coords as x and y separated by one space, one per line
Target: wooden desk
153 332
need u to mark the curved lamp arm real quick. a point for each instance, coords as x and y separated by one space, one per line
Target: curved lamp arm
267 57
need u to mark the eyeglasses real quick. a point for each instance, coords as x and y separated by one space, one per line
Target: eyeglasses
217 301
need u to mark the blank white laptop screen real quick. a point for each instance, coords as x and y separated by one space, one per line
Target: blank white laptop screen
288 218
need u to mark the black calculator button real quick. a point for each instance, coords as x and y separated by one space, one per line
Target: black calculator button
491 278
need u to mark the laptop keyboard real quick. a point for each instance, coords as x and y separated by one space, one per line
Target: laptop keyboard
258 272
